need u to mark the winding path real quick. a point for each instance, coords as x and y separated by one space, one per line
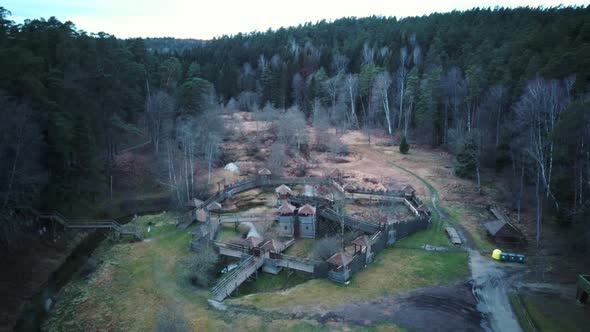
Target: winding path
489 286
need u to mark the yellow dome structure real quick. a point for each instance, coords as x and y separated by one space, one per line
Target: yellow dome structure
496 254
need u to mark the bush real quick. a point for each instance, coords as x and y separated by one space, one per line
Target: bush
326 247
198 267
404 147
337 147
88 268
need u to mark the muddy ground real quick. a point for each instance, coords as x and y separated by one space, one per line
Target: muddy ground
442 308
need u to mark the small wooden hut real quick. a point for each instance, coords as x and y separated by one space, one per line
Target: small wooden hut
504 232
409 192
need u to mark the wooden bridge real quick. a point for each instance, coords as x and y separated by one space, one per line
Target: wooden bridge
232 280
93 224
294 263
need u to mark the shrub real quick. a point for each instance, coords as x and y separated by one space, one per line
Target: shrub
404 147
198 267
326 247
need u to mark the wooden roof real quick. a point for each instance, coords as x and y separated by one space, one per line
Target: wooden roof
307 210
339 259
283 190
348 186
500 228
251 242
193 203
214 206
273 245
362 241
409 189
423 208
286 208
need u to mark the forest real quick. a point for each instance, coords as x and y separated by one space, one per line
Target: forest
503 89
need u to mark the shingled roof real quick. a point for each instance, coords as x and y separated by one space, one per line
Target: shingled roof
273 245
215 206
500 228
193 203
348 186
409 190
362 241
264 171
307 210
251 242
286 208
283 190
339 259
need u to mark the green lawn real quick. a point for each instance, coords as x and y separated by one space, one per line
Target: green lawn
432 235
266 282
393 271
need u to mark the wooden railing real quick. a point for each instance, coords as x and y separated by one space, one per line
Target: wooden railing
230 281
365 226
93 224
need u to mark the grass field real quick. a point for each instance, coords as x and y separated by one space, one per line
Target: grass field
470 217
539 312
393 271
135 281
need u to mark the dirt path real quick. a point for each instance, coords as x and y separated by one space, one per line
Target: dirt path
489 285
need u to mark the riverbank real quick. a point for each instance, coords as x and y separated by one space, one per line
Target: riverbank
26 273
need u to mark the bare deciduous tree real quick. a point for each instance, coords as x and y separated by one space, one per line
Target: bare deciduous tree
351 82
380 97
538 111
326 247
158 118
277 158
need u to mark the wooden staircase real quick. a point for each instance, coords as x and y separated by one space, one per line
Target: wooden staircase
235 278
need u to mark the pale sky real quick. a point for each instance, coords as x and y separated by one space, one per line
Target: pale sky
207 19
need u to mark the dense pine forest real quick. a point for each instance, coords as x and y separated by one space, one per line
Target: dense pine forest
504 89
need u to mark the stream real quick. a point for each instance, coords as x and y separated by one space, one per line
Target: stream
39 307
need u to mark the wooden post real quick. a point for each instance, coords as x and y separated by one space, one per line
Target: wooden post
111 186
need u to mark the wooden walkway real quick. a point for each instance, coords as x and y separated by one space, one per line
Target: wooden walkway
233 218
93 224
